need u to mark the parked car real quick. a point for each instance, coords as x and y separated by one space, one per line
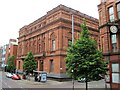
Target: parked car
16 77
81 80
9 75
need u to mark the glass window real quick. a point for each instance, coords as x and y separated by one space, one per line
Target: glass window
69 42
114 38
39 47
116 77
115 67
100 16
118 10
111 14
53 45
102 43
114 42
115 73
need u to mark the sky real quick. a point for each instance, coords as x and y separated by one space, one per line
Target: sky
14 14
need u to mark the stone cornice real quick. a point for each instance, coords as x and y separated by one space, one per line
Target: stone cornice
110 23
65 8
71 11
56 21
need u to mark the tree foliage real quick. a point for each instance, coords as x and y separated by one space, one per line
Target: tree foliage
84 58
10 64
29 63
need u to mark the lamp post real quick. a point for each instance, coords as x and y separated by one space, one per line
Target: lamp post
73 79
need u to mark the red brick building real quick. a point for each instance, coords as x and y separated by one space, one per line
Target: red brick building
109 26
11 50
48 39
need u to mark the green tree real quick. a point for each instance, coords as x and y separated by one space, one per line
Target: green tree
84 58
29 63
10 64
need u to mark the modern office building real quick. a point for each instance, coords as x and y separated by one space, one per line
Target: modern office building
109 27
48 39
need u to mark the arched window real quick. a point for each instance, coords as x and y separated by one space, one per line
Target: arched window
53 42
69 36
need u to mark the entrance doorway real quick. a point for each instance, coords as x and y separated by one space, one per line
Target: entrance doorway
41 65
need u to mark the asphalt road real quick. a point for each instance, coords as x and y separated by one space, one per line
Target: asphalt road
25 84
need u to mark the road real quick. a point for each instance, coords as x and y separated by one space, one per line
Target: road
25 84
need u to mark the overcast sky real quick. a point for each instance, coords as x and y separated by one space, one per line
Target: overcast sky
14 14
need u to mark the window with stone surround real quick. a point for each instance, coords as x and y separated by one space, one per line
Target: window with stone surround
39 45
115 73
111 14
53 42
20 49
100 16
102 43
26 47
69 38
114 42
53 45
35 46
118 10
69 41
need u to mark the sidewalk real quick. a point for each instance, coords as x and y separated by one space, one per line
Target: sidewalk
64 84
33 82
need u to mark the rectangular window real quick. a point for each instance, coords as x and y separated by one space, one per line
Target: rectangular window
111 14
114 42
115 67
53 45
39 48
115 77
41 65
102 43
115 73
118 10
114 38
69 41
44 47
100 16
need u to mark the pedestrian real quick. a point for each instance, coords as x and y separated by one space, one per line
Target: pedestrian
16 71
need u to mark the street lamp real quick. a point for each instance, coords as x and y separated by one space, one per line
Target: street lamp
61 70
73 79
